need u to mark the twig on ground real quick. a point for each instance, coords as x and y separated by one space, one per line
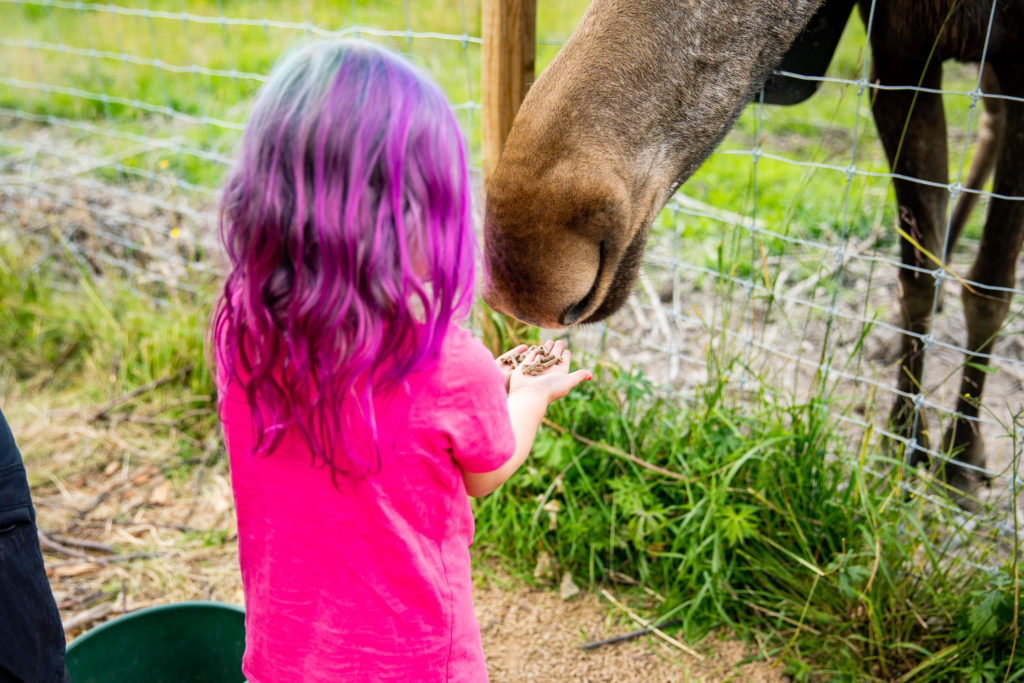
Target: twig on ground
651 627
619 577
138 391
615 451
88 616
112 487
628 636
97 524
103 561
82 543
97 500
81 601
60 548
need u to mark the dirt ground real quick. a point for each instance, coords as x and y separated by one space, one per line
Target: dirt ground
125 525
531 634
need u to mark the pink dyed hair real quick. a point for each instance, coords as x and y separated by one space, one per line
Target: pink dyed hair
347 222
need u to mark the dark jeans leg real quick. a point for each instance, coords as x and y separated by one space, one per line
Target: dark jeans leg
31 635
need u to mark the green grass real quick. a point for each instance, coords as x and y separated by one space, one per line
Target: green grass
246 49
67 332
769 521
777 528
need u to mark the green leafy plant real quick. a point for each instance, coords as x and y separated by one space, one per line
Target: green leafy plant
759 517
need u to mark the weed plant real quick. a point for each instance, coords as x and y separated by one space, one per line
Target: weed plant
768 524
95 340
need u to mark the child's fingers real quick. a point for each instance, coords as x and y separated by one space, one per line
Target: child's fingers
562 385
579 376
506 362
529 357
513 352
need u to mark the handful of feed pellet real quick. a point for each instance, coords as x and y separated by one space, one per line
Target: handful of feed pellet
542 362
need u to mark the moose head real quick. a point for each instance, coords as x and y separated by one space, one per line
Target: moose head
630 107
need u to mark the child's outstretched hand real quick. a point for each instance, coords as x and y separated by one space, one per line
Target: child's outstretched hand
550 383
533 380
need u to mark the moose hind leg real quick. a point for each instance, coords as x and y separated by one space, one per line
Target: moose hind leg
913 132
987 298
990 141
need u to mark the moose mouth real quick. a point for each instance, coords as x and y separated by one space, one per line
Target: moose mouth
575 313
619 287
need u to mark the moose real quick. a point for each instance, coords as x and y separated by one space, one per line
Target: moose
644 90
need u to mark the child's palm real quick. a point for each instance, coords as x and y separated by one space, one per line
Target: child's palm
553 382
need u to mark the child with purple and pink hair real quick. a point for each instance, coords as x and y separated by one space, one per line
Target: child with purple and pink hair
357 414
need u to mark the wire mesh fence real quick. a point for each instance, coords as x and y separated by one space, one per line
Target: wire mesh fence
123 117
777 265
774 266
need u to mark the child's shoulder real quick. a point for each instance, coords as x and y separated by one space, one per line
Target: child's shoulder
460 339
464 350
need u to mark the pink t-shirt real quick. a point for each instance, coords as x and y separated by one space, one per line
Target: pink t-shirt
370 581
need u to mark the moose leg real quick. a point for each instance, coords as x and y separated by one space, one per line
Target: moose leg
985 305
990 141
912 127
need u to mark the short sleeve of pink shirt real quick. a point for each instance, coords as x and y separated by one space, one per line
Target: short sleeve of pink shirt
474 406
369 579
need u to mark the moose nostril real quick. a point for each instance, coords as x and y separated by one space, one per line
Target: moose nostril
574 313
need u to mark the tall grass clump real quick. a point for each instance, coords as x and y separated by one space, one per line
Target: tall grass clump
95 339
757 515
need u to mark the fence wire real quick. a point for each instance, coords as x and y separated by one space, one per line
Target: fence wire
778 259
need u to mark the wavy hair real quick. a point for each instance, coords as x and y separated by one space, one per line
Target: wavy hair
346 219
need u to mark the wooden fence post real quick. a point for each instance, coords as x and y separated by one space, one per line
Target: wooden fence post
509 33
509 29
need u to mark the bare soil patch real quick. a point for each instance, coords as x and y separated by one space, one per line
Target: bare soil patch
531 634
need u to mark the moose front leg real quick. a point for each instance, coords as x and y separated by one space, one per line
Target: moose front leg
912 128
987 299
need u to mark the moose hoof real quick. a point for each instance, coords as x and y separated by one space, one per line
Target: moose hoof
966 485
963 442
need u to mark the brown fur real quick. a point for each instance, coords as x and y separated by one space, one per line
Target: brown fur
599 141
644 90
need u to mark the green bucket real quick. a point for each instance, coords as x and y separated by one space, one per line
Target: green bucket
180 642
